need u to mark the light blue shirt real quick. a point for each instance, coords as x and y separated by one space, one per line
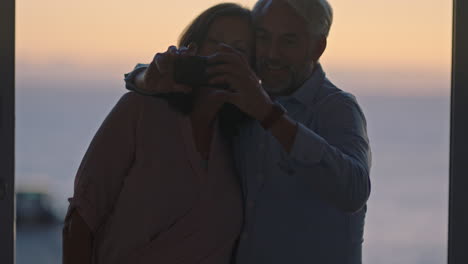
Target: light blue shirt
306 206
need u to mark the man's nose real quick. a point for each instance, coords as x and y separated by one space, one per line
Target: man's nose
274 51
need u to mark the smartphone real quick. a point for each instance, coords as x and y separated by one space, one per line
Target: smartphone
191 70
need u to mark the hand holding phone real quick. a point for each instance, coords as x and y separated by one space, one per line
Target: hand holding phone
191 70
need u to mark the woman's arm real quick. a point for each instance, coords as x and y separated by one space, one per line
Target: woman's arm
77 241
100 177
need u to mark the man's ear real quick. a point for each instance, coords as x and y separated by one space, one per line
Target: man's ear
319 49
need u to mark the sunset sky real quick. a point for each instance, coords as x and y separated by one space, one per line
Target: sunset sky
375 46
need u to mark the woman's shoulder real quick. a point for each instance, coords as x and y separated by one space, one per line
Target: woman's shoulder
143 102
139 99
148 109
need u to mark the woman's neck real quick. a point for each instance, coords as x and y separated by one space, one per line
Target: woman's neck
202 133
203 116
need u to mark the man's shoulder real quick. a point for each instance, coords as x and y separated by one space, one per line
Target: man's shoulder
331 94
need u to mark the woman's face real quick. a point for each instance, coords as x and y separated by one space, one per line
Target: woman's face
231 30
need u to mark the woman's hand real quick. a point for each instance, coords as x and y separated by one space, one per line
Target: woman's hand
245 89
158 77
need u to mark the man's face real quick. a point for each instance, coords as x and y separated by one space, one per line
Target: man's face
284 48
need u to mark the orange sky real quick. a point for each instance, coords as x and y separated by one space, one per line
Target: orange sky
107 37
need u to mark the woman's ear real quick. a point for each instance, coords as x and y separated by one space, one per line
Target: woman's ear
320 47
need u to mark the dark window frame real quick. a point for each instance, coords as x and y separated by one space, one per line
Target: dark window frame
7 131
458 194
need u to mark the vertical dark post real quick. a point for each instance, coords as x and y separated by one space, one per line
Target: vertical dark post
458 207
7 131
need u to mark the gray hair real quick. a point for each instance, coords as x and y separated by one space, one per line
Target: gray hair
317 13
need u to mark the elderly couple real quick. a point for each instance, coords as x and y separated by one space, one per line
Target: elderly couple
273 169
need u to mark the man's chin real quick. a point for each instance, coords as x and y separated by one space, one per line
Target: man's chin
276 90
276 85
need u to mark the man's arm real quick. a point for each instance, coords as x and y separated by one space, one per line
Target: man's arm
134 80
140 80
334 160
285 130
157 77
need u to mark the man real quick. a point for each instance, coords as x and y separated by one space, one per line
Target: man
305 164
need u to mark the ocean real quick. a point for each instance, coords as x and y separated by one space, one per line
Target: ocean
407 211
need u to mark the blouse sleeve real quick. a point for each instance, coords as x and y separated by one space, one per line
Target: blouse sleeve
106 163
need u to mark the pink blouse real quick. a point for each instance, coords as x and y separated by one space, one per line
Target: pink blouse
143 191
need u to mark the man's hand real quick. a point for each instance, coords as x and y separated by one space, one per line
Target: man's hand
158 77
245 87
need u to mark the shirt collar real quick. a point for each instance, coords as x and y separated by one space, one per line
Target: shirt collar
308 90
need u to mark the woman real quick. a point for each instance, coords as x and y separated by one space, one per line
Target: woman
157 184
